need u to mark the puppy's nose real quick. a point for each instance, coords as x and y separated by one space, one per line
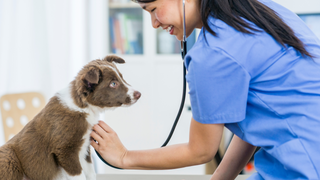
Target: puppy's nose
136 94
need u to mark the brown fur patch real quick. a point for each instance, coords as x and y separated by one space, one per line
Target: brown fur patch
92 76
52 139
10 167
88 156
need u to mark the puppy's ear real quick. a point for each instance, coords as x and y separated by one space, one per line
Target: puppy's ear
91 78
114 58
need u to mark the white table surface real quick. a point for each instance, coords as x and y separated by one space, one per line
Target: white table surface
158 177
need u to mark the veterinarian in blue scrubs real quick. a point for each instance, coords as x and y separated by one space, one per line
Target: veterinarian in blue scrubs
255 70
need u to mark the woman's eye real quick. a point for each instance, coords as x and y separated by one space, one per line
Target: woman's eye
153 9
113 84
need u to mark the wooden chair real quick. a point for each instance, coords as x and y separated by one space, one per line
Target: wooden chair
18 109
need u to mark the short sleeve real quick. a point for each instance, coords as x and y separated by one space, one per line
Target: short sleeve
218 87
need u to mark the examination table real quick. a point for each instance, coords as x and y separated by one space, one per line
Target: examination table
158 177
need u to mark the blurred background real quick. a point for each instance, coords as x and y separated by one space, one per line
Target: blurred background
44 43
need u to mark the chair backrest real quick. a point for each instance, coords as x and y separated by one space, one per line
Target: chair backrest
18 109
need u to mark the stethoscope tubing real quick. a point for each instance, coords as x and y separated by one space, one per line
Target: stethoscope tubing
183 54
181 104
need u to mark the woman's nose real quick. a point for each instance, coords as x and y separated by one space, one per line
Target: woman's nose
155 23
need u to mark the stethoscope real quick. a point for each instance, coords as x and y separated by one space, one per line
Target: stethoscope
183 54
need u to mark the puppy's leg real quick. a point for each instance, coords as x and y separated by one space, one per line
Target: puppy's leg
87 166
69 161
10 167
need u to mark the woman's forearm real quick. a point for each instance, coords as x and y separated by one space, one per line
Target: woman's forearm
170 157
204 140
237 156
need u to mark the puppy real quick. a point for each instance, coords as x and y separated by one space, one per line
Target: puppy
55 144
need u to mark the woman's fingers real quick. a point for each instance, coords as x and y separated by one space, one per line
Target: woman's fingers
101 132
94 144
96 136
100 135
102 129
95 139
105 127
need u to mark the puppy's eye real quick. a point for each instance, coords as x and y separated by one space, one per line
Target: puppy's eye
113 84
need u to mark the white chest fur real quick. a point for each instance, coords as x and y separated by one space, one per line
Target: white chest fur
92 118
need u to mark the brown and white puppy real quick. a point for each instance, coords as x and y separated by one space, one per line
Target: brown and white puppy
55 144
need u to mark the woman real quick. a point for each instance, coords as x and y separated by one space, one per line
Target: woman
253 69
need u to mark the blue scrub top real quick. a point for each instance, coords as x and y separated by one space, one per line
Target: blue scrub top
266 94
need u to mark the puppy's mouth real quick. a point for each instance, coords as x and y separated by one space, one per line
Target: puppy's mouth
132 99
127 101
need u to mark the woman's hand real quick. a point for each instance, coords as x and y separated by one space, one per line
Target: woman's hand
108 144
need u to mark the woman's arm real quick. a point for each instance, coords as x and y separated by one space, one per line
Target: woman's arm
204 140
237 156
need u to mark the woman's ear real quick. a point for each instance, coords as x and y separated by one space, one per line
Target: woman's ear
113 58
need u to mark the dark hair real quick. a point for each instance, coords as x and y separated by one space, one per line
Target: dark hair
232 13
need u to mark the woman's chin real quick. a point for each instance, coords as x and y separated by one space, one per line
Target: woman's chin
179 38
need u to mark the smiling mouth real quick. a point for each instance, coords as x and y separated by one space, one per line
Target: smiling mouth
169 29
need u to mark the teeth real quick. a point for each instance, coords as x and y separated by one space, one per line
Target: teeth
169 28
